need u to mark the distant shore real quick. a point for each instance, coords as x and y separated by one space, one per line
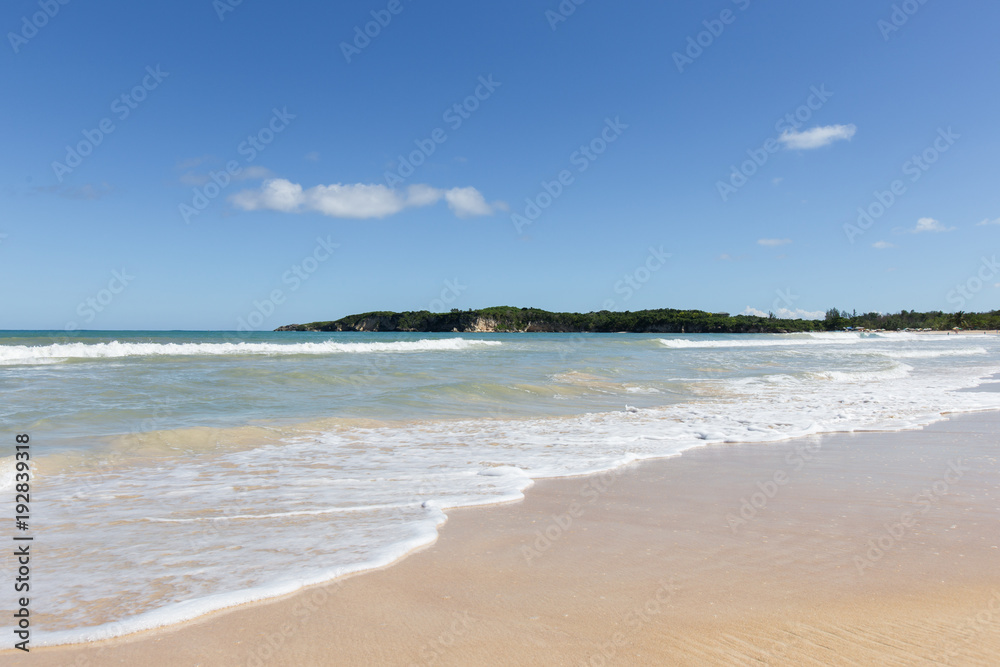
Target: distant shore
962 332
507 319
869 548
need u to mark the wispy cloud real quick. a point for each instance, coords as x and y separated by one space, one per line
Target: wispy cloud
251 173
882 245
467 202
312 156
193 178
786 314
817 137
930 225
359 201
192 162
772 243
87 191
987 221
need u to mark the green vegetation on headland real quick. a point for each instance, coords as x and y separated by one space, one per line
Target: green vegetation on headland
664 320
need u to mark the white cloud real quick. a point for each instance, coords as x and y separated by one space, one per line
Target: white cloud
816 137
422 195
355 201
359 201
251 173
882 245
930 225
988 222
786 314
312 156
276 195
771 243
467 202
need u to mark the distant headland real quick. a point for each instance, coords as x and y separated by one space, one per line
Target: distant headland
667 320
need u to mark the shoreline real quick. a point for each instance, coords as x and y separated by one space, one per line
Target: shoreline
527 549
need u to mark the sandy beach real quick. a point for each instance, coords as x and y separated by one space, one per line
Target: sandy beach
869 548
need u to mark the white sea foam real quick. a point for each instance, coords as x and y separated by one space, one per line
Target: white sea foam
894 372
8 473
26 354
226 527
769 341
934 354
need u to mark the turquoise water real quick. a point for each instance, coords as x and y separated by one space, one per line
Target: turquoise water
180 472
127 391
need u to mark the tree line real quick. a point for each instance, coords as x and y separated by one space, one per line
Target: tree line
662 320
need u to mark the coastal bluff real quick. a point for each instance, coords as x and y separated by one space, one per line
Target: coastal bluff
508 319
532 320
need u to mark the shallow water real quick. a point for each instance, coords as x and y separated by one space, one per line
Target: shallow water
179 472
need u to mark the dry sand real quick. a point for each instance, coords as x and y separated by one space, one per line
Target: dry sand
876 548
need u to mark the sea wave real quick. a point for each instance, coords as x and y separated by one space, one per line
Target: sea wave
47 354
895 372
933 354
686 343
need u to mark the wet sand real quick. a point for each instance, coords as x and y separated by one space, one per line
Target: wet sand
869 548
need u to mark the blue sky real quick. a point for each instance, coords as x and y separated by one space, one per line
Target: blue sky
641 109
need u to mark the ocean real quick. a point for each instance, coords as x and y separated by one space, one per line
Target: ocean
176 473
